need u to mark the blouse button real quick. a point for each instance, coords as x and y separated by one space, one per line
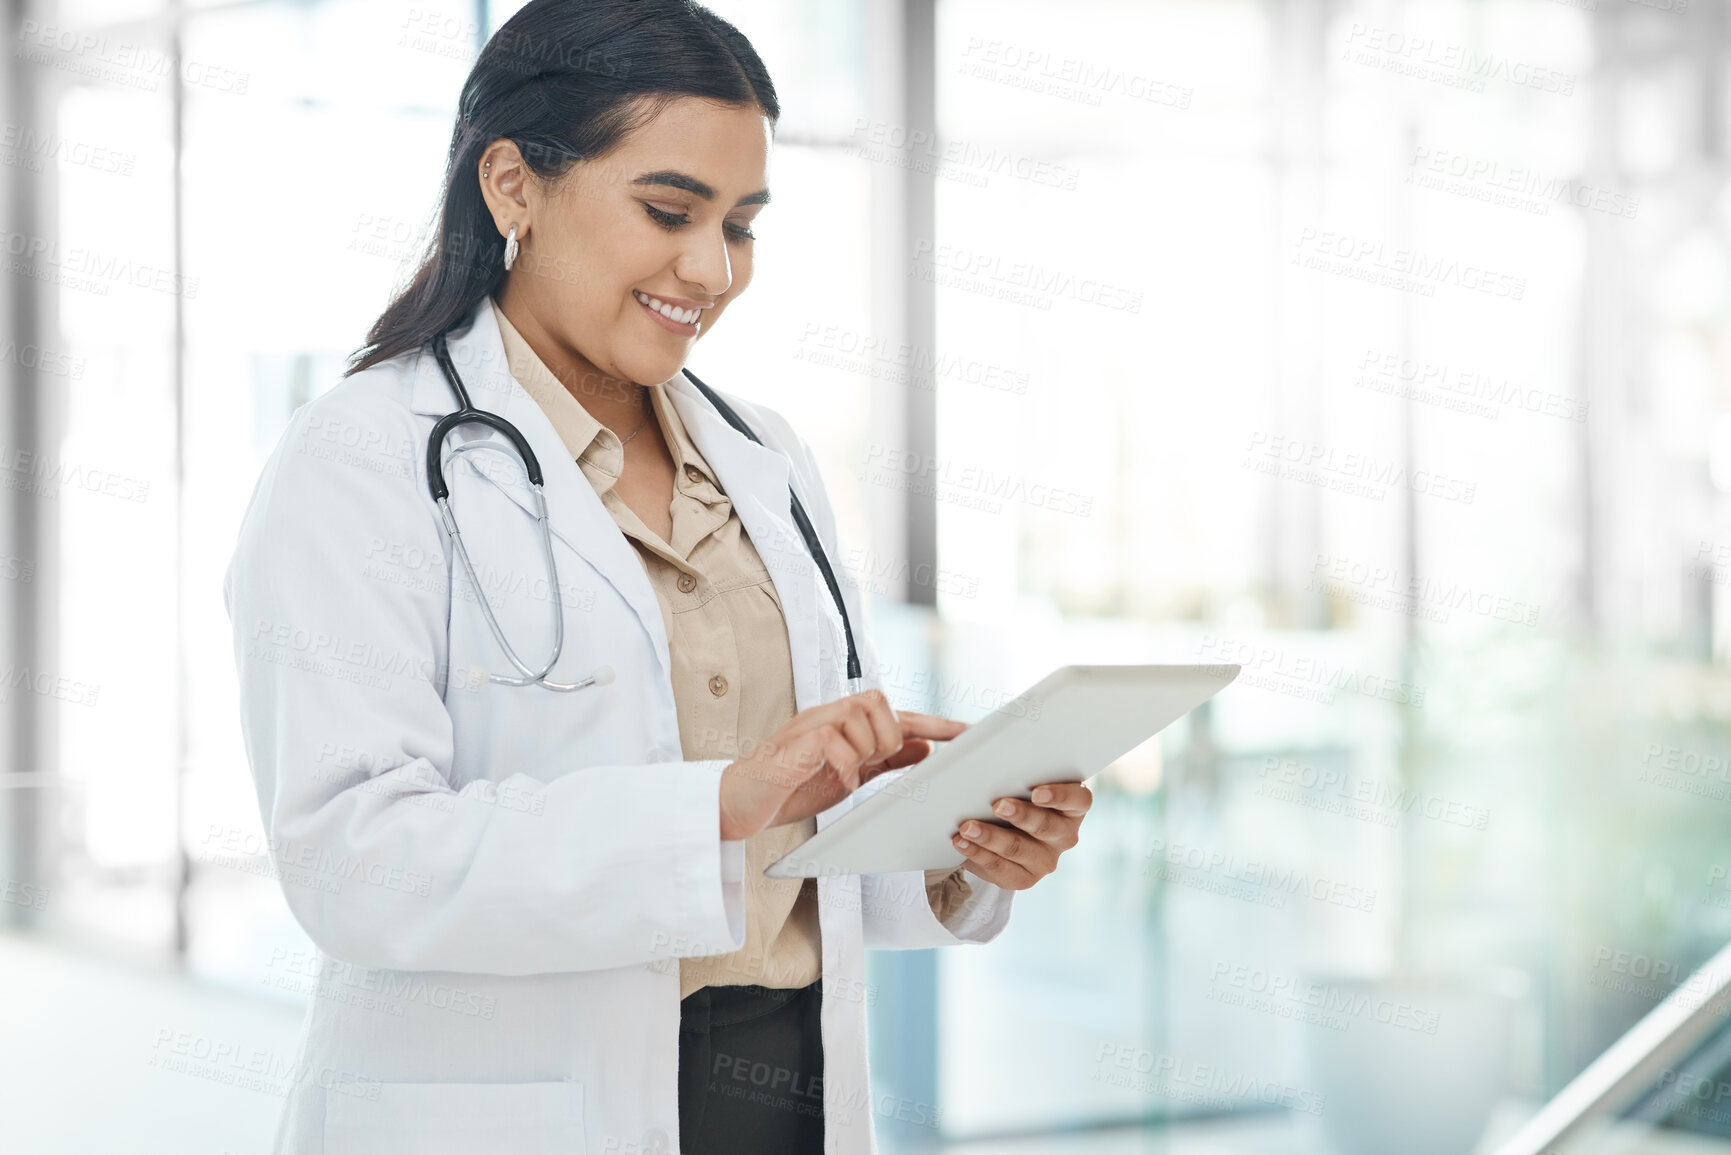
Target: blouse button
718 685
693 473
686 583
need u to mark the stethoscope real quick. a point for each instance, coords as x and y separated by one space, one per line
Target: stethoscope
467 414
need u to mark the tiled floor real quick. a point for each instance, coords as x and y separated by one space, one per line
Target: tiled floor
83 1044
1274 1135
93 1061
87 1048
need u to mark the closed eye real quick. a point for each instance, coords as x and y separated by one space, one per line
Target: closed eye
674 221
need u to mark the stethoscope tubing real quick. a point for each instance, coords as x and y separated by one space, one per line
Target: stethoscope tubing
467 414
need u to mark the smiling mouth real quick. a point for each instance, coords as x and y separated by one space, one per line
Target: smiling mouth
677 315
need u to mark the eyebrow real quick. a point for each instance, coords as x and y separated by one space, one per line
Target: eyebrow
692 185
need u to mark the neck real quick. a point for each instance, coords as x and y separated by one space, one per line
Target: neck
616 402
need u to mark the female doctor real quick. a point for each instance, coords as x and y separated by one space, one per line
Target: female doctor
537 891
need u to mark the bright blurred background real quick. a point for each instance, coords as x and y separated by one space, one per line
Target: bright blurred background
1382 348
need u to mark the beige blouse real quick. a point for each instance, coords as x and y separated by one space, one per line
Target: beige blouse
732 669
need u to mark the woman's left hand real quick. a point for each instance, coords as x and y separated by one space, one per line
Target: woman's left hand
1015 857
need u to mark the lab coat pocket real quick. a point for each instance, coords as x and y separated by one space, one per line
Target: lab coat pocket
458 1119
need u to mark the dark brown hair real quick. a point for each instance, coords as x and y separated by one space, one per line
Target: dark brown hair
565 80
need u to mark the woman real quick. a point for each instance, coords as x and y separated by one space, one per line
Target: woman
541 914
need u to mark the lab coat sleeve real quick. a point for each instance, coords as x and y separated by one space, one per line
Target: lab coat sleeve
895 909
586 868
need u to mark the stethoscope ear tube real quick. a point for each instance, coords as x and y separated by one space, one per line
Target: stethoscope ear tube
467 414
435 465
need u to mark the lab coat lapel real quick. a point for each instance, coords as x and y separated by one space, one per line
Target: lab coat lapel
755 479
574 510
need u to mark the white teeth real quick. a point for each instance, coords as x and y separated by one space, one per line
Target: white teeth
682 316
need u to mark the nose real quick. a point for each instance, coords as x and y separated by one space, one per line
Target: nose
704 262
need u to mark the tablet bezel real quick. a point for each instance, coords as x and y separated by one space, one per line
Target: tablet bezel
882 794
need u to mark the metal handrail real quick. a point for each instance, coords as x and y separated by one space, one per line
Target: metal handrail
1667 1034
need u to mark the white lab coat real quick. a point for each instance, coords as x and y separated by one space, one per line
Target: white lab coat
509 875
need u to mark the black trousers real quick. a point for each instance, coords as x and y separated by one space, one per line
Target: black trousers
751 1071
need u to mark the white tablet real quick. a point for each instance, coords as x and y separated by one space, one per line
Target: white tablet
1066 728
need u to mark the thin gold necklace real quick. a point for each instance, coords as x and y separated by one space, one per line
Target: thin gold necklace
641 424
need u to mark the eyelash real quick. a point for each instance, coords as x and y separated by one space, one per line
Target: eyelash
671 221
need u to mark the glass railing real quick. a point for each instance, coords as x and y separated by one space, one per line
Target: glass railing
1663 1088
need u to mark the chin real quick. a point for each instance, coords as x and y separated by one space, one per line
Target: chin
653 371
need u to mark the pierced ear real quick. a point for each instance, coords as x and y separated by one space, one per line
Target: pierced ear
501 172
503 158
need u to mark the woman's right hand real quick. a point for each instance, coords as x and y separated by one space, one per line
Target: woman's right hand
820 757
